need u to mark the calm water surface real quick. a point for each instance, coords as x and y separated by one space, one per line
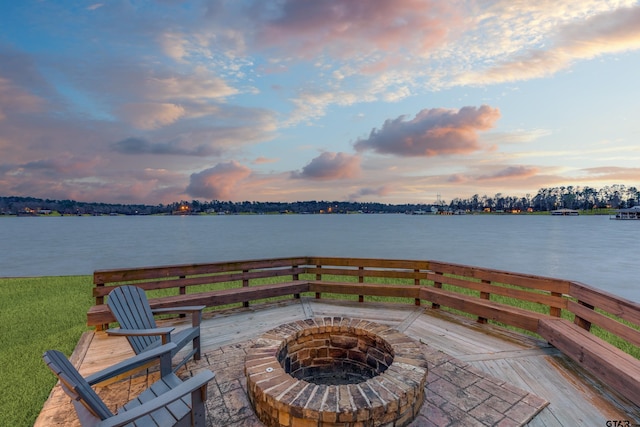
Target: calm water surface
590 249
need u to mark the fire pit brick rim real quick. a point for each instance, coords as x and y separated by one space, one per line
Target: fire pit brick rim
395 394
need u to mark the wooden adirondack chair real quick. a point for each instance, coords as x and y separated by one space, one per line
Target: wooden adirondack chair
168 402
131 308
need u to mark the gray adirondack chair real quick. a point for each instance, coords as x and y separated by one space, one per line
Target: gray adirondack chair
131 308
168 402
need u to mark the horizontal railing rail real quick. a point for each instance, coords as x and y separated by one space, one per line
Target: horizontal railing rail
549 293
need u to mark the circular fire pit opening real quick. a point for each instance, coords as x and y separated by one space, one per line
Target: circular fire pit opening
337 372
335 358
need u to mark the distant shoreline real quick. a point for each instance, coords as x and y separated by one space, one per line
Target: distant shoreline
603 211
584 199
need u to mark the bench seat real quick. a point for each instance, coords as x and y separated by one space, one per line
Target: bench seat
490 310
101 315
609 364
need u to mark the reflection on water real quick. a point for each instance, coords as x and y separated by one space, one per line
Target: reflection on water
593 250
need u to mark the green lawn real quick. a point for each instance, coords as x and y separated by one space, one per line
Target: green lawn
36 314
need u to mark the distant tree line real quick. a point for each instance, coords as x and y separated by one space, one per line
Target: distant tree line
547 199
31 205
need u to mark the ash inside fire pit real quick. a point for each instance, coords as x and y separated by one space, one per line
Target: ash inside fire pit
335 357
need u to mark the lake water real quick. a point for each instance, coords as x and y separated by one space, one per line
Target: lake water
590 249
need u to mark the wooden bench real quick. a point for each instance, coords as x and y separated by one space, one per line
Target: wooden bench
483 308
609 364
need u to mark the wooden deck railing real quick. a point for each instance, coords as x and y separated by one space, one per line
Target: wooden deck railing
560 311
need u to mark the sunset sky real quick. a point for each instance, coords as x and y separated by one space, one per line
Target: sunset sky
392 101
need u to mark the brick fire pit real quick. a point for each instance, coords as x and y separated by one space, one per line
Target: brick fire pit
335 371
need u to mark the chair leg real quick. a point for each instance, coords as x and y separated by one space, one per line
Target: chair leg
165 364
198 410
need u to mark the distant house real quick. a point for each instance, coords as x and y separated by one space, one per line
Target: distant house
565 212
629 213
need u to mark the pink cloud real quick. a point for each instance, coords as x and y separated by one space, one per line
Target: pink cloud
505 174
217 182
371 191
262 160
339 26
511 172
62 165
614 31
149 115
457 178
604 33
329 166
433 132
102 190
15 100
614 173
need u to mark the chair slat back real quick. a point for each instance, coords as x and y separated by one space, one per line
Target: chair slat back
75 386
131 308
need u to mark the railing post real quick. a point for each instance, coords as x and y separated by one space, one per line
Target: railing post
245 284
182 290
583 323
360 280
295 277
318 277
437 285
100 301
487 296
416 282
555 311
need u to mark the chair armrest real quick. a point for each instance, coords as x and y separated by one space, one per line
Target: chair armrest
185 309
140 332
132 363
122 418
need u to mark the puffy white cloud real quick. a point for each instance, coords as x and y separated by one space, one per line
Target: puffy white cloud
330 166
432 132
217 182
